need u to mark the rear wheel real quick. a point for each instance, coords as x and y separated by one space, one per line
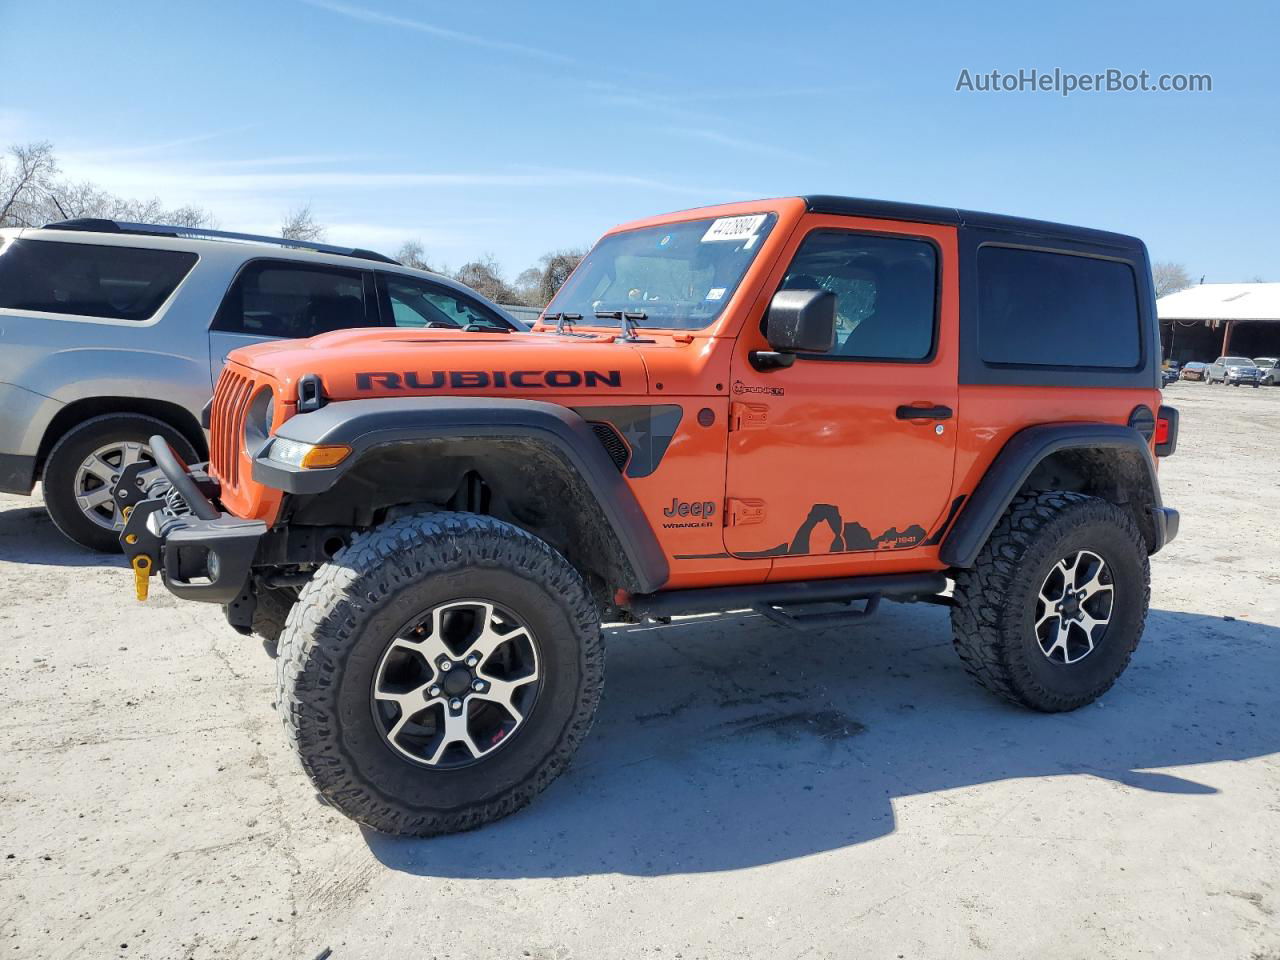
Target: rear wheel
439 672
1050 614
84 465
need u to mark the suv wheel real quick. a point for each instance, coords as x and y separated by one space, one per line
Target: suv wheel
84 465
439 672
1053 609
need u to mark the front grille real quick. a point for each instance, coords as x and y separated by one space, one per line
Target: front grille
226 423
613 444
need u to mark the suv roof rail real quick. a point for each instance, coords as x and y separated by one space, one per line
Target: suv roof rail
102 225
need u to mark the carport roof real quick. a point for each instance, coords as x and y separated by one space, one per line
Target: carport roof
1222 301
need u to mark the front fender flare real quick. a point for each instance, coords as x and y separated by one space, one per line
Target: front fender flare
367 424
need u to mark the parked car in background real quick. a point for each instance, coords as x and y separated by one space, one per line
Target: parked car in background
1194 370
1170 373
1235 371
111 333
1270 369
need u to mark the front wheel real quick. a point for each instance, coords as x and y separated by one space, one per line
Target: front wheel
1050 614
439 672
85 464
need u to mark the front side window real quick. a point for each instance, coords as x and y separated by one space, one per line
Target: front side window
885 287
89 279
274 299
417 303
1039 308
676 275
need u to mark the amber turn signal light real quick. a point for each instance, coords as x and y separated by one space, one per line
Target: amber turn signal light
318 457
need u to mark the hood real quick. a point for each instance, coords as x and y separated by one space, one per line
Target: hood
398 362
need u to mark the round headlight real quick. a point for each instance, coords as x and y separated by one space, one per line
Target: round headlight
257 425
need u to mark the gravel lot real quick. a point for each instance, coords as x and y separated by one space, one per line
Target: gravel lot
747 791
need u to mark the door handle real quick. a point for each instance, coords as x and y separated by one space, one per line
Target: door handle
907 412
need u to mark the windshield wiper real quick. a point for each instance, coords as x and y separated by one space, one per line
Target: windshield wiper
627 320
560 319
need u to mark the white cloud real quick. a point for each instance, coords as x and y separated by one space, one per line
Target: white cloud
388 20
14 124
174 182
738 143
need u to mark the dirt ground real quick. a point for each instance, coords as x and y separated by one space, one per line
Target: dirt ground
746 792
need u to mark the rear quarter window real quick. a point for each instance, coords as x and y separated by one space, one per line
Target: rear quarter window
89 280
1038 308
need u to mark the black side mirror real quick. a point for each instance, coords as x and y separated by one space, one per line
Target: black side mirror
798 321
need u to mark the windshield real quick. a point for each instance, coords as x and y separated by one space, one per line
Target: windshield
1237 362
678 275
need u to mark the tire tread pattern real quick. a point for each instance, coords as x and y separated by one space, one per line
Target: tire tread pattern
983 593
326 622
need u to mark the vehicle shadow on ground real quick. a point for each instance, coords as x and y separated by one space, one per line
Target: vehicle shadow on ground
727 742
27 535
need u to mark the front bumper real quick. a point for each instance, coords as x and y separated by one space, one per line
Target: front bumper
175 529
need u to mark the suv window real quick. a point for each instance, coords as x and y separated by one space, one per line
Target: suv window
420 303
89 279
1037 308
277 299
885 287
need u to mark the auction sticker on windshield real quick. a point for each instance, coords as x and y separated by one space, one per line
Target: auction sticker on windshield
734 228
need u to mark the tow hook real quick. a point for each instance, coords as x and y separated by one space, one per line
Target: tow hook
141 575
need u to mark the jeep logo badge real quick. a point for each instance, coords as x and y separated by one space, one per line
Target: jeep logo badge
705 509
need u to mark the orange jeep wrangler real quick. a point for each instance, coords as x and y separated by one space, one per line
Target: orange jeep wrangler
799 406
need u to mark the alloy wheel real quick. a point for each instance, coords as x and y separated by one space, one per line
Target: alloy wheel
1074 607
97 475
456 683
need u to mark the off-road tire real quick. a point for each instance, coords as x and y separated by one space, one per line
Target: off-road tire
74 447
347 614
995 601
270 614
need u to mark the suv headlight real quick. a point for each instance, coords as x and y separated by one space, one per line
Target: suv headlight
257 423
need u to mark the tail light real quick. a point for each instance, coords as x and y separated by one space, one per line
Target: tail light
1166 435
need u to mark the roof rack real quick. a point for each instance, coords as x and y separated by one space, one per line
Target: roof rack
102 225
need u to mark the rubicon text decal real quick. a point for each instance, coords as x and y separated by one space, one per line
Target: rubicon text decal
488 379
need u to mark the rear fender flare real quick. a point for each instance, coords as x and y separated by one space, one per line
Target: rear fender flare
1014 464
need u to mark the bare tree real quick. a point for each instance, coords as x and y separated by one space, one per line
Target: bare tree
26 180
412 254
1169 278
556 267
300 224
87 200
485 277
528 287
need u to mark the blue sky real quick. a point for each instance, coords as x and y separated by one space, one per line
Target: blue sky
514 128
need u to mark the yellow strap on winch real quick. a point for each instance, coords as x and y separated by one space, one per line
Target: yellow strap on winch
141 575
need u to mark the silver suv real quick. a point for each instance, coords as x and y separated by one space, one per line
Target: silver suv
113 332
1235 371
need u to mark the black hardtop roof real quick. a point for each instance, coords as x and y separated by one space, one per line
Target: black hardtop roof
953 216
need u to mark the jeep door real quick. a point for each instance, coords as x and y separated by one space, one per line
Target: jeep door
845 459
283 299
